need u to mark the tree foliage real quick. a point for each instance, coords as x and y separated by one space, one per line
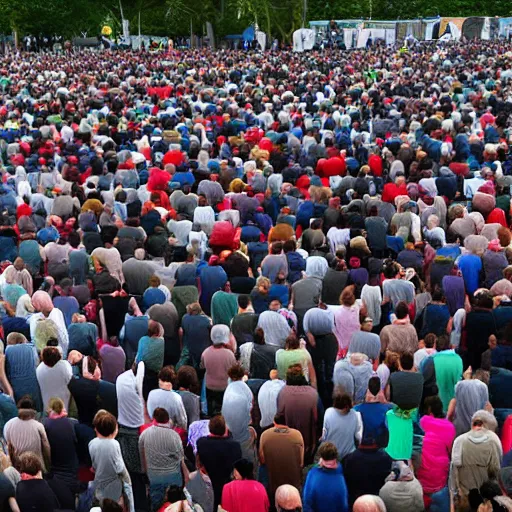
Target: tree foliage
278 18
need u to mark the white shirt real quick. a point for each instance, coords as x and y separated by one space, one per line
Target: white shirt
54 382
130 403
267 401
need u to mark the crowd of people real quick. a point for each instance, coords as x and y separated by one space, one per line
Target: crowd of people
249 281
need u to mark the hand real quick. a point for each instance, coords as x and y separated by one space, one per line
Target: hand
468 373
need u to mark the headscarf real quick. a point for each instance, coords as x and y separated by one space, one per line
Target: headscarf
42 301
316 266
220 334
476 244
372 298
224 307
275 327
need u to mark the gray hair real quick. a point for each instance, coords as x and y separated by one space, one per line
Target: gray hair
488 419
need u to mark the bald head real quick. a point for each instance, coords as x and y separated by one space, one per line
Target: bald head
288 498
369 503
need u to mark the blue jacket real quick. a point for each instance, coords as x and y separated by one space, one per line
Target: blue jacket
325 489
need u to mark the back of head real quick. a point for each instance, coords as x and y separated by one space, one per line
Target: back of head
374 385
30 463
160 415
406 361
217 425
288 498
328 451
434 406
401 310
167 374
220 334
442 343
430 340
243 301
369 503
484 419
295 376
108 505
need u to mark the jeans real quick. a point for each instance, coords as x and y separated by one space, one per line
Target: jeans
324 358
440 500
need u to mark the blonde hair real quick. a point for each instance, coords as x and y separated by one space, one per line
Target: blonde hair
264 282
56 405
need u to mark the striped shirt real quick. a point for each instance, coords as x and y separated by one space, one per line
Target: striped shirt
161 448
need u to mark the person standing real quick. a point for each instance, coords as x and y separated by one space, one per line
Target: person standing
168 399
342 425
217 453
111 478
323 347
298 402
282 452
325 487
217 360
161 454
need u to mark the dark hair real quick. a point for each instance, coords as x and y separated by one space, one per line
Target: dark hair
406 361
187 379
489 490
217 425
280 419
390 270
434 406
259 336
292 342
243 301
437 294
276 248
30 463
108 505
50 356
289 246
401 310
167 374
443 342
104 423
236 372
52 342
342 401
328 451
294 376
74 239
374 385
484 300
160 415
175 493
26 402
91 364
316 224
430 340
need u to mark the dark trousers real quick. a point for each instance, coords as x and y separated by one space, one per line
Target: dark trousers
324 358
214 401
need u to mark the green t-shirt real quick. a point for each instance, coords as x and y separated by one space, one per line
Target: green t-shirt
287 358
448 366
400 434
